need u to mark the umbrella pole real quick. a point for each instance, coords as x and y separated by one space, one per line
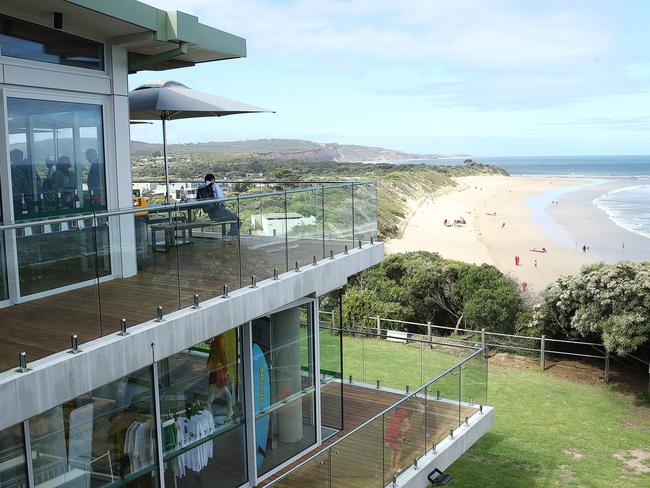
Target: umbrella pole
165 160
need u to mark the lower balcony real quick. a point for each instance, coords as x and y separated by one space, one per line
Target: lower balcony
392 436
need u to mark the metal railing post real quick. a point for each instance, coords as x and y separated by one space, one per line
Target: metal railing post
542 355
483 342
378 322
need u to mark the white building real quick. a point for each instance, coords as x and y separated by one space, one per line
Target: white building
133 351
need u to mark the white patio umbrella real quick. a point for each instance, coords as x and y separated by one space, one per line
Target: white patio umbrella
170 100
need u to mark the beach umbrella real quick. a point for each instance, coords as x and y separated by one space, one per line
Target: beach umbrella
170 100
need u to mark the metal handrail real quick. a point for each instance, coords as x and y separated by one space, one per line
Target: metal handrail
379 415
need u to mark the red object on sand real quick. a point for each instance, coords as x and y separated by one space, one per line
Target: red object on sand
524 285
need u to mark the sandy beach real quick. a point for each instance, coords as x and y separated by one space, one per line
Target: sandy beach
499 226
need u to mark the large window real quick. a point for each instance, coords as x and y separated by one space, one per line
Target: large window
103 437
203 415
56 152
20 39
283 376
13 468
57 168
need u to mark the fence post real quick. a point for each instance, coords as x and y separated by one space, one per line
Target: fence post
378 321
607 367
649 380
542 356
429 330
483 342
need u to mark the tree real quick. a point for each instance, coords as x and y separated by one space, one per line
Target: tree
608 302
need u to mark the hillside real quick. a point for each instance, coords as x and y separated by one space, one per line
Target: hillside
282 150
400 187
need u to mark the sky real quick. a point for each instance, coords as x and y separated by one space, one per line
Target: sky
479 77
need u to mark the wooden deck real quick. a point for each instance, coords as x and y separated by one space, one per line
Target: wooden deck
363 459
43 326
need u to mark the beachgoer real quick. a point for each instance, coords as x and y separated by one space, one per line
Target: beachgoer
503 225
209 189
584 248
445 222
395 436
524 285
535 263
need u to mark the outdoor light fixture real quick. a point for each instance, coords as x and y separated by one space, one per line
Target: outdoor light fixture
57 20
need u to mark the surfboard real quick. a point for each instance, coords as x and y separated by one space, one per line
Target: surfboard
262 393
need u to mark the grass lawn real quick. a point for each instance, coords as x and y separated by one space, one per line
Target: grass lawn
548 431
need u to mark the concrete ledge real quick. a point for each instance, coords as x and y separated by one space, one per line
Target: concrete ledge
448 451
60 377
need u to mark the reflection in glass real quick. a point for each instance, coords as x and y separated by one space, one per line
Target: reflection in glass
20 39
56 155
13 470
103 437
202 413
283 377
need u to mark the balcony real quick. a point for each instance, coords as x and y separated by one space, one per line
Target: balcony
81 274
444 407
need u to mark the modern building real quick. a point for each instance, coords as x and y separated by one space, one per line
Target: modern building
137 350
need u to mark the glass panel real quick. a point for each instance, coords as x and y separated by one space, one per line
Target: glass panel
406 360
208 249
357 460
20 39
305 226
338 218
283 368
102 437
263 236
146 245
474 381
365 212
203 415
314 474
13 468
443 412
331 365
404 436
56 153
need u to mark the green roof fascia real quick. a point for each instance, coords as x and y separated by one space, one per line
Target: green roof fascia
170 25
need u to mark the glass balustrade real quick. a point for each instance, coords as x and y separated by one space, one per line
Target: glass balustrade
81 274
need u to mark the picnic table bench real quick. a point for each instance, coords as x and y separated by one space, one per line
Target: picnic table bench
180 233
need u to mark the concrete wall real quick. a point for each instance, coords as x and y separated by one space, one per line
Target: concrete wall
62 376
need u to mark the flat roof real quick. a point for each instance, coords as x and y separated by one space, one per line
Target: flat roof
155 39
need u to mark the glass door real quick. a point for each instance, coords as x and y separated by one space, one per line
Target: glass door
284 383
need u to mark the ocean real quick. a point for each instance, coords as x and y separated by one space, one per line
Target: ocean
627 205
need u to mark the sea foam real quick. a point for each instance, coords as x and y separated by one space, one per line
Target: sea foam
628 208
